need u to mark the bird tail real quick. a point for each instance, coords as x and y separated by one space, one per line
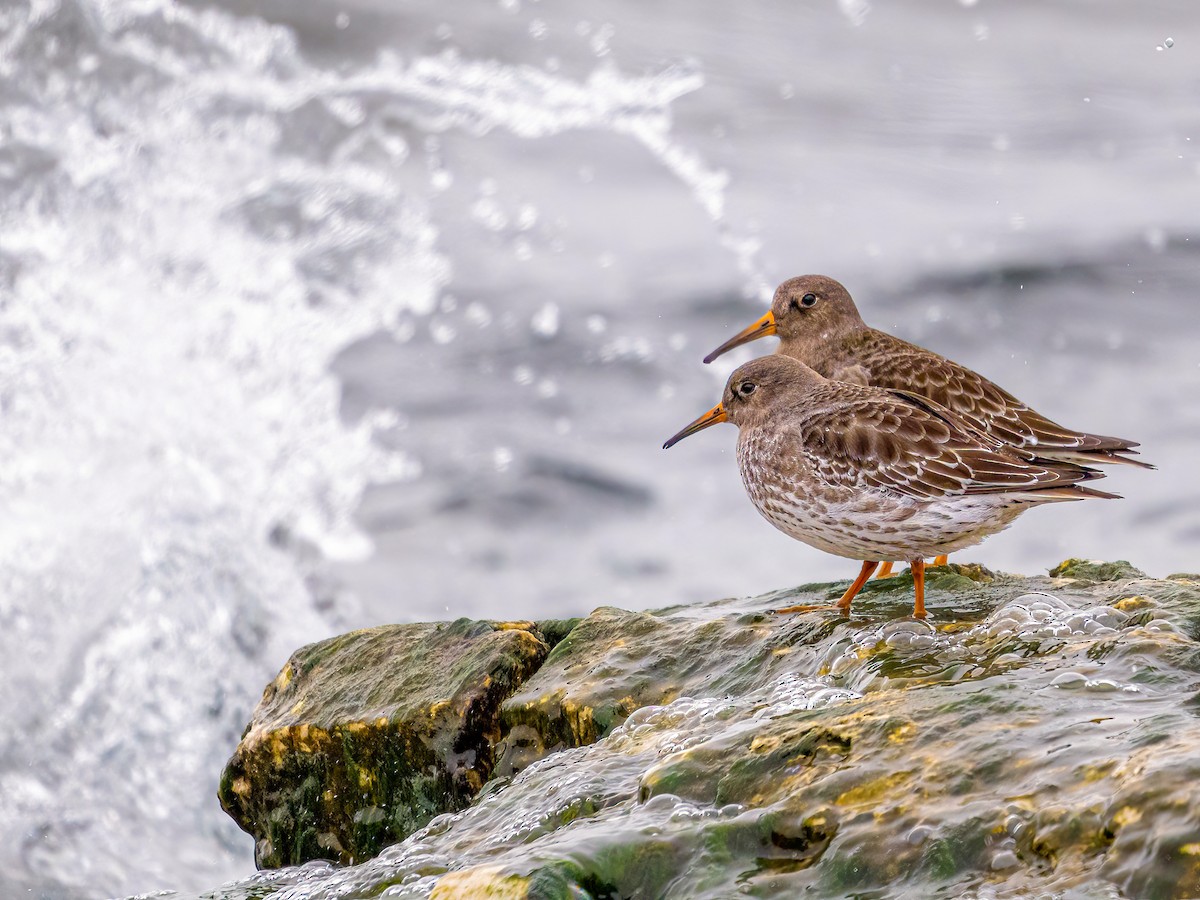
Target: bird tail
1066 492
1096 457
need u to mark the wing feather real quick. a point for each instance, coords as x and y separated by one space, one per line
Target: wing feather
856 437
896 364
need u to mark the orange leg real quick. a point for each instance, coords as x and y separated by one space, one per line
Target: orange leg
843 604
918 573
885 570
941 560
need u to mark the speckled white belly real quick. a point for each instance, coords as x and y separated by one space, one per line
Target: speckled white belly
870 523
883 527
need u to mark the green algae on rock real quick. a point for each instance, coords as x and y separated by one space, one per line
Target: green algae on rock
1035 736
363 738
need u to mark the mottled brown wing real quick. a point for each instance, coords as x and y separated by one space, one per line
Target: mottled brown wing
894 363
869 438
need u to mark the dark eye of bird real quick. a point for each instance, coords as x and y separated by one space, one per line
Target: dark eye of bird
746 388
808 300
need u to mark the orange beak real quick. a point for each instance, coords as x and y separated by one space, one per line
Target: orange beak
761 328
712 417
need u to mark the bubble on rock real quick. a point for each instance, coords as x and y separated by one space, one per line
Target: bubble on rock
1069 680
919 835
1040 617
1005 859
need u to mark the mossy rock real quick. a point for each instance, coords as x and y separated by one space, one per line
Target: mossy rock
365 737
1095 570
1035 737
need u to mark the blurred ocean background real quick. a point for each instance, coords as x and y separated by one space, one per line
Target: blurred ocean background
316 316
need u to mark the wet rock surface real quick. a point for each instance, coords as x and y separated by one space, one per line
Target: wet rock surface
363 738
1034 735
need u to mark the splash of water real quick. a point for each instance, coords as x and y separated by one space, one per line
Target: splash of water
197 222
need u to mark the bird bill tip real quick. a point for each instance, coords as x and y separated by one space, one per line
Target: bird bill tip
762 327
712 417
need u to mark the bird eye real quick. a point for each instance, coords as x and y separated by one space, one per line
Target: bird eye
746 388
808 300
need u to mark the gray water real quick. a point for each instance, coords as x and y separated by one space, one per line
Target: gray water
317 318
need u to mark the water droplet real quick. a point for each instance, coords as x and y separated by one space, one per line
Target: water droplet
479 315
523 375
443 32
342 21
545 321
601 38
487 213
510 6
502 458
787 90
527 216
1169 43
854 10
538 30
597 324
393 144
442 332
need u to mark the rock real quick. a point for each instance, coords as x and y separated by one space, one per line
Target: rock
1095 570
362 739
1034 737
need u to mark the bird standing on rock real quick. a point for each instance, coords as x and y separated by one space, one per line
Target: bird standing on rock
873 474
817 323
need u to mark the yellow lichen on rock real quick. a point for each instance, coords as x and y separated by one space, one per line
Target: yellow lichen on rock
763 743
514 626
1127 815
1134 603
481 883
875 789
